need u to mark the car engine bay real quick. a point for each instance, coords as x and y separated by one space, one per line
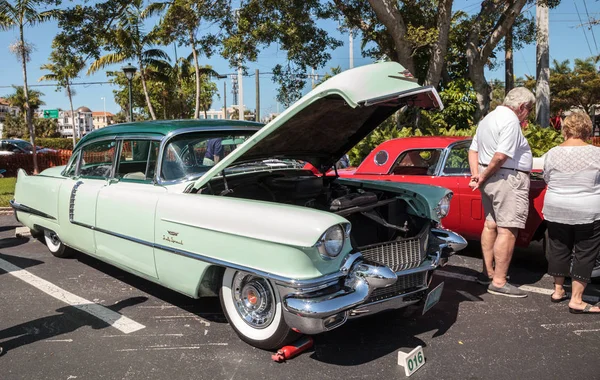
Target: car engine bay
376 216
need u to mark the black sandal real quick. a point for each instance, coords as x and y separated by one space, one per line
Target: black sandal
559 300
585 310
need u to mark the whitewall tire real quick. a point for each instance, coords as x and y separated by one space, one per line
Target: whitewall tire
253 308
55 245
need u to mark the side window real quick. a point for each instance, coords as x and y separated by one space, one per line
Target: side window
72 165
458 161
97 159
416 162
136 159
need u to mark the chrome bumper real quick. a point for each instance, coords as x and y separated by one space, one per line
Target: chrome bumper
316 310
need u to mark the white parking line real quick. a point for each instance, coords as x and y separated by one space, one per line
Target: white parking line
579 332
165 347
112 318
527 288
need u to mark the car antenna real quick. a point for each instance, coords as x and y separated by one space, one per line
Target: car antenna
227 190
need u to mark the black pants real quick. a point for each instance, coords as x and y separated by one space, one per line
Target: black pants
581 242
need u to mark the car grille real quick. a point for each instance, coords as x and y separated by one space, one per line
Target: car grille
403 285
398 255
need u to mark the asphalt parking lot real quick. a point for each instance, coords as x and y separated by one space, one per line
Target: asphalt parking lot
155 333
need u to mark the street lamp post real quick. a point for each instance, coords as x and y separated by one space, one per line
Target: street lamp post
129 71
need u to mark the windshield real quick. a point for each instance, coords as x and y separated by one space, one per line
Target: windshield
193 154
267 164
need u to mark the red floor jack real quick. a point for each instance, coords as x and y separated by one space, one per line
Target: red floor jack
296 348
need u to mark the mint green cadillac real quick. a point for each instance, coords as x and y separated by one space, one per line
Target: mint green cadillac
229 208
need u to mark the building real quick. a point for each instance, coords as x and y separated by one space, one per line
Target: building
212 114
83 120
6 109
102 119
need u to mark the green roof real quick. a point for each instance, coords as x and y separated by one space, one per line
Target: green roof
163 127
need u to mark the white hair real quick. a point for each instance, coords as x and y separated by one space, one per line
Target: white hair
518 96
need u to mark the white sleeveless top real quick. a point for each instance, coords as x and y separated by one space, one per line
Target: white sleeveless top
573 177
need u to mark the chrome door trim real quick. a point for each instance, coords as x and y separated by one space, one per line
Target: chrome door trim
23 208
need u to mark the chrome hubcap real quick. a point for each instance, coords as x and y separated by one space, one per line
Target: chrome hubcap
253 299
54 238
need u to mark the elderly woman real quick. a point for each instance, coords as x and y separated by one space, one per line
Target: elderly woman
572 211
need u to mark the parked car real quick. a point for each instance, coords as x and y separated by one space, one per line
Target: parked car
288 252
443 161
18 146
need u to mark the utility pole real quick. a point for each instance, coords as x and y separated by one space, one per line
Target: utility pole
351 44
225 99
257 113
542 89
240 75
240 93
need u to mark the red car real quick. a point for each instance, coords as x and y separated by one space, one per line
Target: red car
443 161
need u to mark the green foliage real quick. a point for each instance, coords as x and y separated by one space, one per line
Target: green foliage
7 190
460 104
55 143
17 99
15 127
386 131
572 87
541 139
291 25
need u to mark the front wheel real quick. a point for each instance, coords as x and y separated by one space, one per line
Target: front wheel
253 308
55 246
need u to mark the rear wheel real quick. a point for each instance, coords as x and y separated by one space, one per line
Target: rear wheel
55 246
253 308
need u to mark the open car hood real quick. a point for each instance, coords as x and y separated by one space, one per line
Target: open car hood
333 117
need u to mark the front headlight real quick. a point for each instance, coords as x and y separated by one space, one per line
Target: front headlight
332 241
443 207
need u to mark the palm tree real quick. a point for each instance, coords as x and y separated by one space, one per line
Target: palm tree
129 41
181 23
18 15
64 66
17 99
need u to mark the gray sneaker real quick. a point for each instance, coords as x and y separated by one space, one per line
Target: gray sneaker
507 290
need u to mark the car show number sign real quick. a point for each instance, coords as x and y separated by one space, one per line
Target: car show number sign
411 361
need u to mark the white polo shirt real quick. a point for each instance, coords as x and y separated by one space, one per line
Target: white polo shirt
500 131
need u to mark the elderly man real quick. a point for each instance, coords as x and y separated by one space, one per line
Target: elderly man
500 161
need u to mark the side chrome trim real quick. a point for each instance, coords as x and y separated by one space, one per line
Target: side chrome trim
303 285
72 200
21 207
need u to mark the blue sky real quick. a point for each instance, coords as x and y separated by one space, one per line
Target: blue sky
567 41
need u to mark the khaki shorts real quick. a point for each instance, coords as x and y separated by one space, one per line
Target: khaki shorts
505 198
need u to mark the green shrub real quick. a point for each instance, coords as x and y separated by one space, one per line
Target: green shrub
541 139
55 143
